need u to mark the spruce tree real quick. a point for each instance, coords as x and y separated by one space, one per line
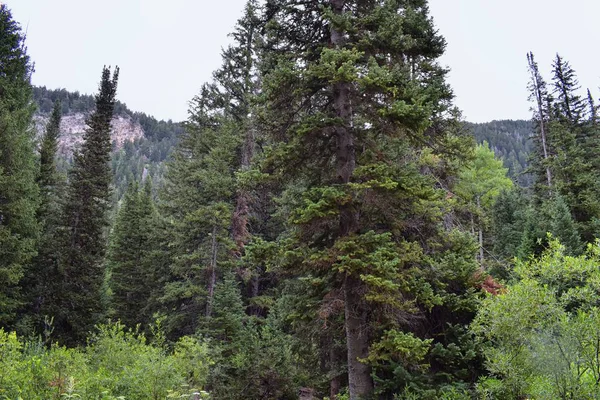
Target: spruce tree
564 228
81 303
356 106
575 147
48 178
196 200
509 215
42 276
18 190
129 257
206 202
541 156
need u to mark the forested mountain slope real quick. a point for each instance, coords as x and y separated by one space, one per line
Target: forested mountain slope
511 141
140 142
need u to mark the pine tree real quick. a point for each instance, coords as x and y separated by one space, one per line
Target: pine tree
574 143
208 204
564 228
18 190
356 106
508 223
42 275
540 96
196 200
85 221
129 257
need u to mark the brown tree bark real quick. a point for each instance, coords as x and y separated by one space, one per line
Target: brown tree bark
212 272
239 225
537 92
355 308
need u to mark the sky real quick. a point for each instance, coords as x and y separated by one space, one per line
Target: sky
167 49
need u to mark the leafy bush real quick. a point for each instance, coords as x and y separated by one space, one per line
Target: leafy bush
117 364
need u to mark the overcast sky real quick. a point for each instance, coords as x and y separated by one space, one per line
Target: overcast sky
167 49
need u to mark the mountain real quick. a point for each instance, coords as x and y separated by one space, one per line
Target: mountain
511 141
141 143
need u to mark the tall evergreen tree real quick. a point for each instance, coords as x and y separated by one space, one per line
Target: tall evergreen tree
81 302
509 215
208 205
196 198
18 190
357 109
540 96
563 227
42 275
575 148
48 176
130 257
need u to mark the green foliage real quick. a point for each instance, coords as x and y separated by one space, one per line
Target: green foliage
204 200
40 276
130 257
116 364
254 358
508 219
18 191
79 302
479 184
483 179
365 146
541 334
567 166
564 228
511 142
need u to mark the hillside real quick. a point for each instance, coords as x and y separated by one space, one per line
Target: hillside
141 143
511 141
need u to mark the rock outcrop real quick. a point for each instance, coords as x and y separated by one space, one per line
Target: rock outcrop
73 126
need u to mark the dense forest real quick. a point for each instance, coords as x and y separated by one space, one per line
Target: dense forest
323 226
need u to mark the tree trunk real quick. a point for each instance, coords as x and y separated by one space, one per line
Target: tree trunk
239 225
537 90
480 232
212 272
355 308
335 362
357 340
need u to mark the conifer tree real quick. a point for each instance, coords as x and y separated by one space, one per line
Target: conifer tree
509 215
208 206
196 198
81 302
540 96
18 190
129 257
356 112
48 178
564 228
569 106
42 275
568 137
575 144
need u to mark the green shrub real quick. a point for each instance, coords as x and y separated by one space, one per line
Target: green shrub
117 364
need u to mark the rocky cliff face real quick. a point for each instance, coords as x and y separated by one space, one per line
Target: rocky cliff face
72 127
